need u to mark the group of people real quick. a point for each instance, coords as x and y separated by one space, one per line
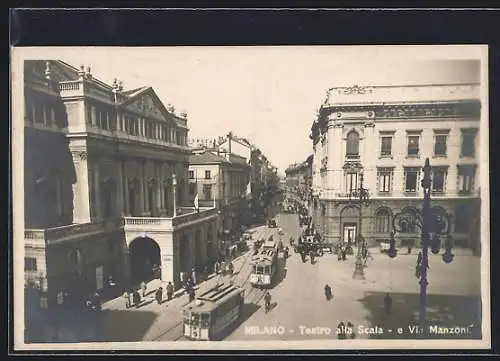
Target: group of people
134 298
345 331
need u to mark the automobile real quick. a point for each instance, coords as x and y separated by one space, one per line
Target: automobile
246 236
384 247
272 223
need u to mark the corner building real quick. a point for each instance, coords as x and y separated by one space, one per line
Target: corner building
106 177
385 133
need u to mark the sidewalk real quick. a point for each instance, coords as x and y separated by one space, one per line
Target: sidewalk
162 317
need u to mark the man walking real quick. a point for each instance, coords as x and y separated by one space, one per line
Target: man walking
159 295
170 291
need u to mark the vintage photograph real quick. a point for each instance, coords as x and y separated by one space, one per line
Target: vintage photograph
277 197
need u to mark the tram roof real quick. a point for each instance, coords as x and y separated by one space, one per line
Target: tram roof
212 298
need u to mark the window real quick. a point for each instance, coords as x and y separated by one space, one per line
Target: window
438 179
384 180
207 191
207 174
352 182
382 221
440 144
466 178
386 146
468 148
462 216
413 145
352 144
411 179
191 174
30 264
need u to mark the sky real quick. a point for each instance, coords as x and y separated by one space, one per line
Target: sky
269 95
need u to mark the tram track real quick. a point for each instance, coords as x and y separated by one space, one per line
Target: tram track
255 294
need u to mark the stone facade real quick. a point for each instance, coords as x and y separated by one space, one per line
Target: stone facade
383 135
99 161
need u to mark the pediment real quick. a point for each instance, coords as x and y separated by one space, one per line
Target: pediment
148 105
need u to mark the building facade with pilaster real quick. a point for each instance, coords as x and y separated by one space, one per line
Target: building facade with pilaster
383 134
106 185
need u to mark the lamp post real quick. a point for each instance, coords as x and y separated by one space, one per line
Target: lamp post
174 191
361 197
433 223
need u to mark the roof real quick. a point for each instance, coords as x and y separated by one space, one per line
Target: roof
408 93
63 72
213 297
207 158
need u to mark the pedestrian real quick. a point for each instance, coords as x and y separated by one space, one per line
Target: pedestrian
137 298
341 331
170 291
126 297
409 249
193 275
344 257
312 256
159 295
328 292
191 293
388 304
144 288
350 330
231 268
217 267
97 302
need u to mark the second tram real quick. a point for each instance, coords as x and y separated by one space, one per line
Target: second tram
264 265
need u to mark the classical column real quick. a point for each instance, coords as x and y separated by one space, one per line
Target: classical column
97 192
81 189
158 187
142 183
94 116
119 190
126 186
162 190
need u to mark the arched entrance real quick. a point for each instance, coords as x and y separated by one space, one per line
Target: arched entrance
145 260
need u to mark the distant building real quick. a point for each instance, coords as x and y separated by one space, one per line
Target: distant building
298 178
385 133
220 180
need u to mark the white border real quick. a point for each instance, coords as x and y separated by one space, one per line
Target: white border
18 55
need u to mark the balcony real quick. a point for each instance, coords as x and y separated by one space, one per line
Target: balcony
187 215
49 236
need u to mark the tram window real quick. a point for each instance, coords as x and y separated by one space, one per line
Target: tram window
205 320
195 319
260 270
186 318
254 268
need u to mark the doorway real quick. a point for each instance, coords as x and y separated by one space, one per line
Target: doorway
145 260
350 231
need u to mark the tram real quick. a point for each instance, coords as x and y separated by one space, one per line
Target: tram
213 312
264 265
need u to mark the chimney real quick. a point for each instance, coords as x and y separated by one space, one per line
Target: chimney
229 138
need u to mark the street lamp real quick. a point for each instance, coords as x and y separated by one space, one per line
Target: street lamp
360 196
433 223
